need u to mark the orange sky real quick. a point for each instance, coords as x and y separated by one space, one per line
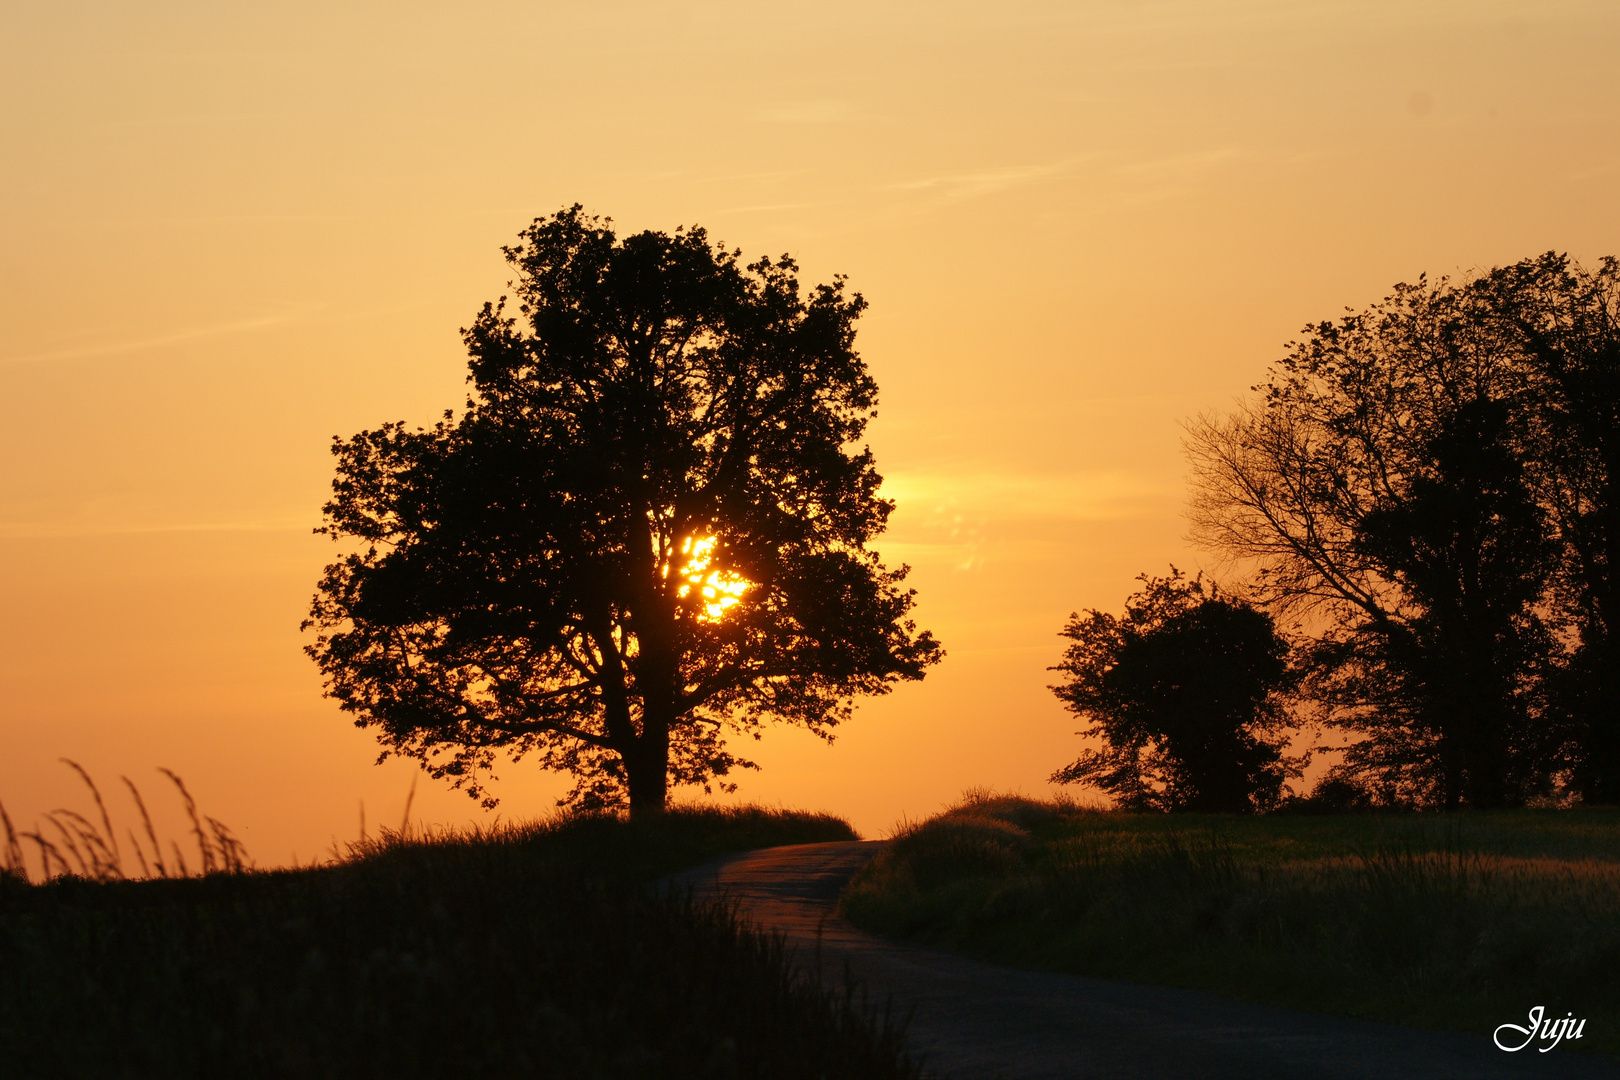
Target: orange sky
228 232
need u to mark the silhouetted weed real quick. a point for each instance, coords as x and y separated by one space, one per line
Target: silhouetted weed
78 848
534 950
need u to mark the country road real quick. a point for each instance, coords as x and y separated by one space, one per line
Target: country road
977 1021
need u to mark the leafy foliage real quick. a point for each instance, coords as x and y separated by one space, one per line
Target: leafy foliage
1185 691
1427 484
647 530
1564 323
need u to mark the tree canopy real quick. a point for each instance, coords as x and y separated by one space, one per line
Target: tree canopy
1429 484
647 530
1185 691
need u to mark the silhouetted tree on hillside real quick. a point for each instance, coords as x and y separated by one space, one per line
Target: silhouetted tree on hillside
1429 482
1472 551
1185 691
647 529
1564 323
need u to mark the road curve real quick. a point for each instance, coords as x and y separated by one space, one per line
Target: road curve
977 1021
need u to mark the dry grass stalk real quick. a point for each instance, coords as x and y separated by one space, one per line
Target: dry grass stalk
14 865
81 848
151 833
111 844
208 865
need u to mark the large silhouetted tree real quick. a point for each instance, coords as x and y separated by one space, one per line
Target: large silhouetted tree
1185 692
1564 324
1394 484
647 529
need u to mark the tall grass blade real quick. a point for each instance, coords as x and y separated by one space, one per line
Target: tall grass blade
14 856
405 819
71 844
232 854
47 852
112 838
104 866
146 871
196 823
151 833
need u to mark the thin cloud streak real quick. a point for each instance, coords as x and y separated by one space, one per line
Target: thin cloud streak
770 206
968 520
1101 496
955 187
827 111
1124 182
48 531
114 348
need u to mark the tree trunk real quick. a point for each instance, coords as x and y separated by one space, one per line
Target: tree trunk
649 785
646 770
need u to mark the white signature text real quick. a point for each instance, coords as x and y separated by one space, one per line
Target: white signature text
1540 1028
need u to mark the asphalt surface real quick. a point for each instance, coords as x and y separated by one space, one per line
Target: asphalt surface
976 1021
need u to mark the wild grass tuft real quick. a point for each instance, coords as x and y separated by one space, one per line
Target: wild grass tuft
1462 922
77 847
530 949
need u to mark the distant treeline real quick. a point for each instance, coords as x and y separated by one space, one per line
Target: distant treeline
1423 497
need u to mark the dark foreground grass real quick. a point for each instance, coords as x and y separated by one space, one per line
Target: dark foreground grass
524 951
1459 922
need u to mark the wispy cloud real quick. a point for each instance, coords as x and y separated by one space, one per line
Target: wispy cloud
825 111
1099 496
61 530
1106 179
954 187
738 177
765 207
113 348
1179 166
1594 172
969 518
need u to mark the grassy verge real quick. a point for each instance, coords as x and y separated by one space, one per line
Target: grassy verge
1455 922
526 951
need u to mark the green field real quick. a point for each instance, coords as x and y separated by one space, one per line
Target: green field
1462 921
528 951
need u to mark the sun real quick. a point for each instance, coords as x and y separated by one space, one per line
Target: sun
720 590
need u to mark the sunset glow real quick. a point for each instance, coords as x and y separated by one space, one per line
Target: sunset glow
720 590
232 232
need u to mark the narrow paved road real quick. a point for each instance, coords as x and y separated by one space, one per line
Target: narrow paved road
976 1021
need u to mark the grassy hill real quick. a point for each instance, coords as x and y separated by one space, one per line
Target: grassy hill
539 950
1462 921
